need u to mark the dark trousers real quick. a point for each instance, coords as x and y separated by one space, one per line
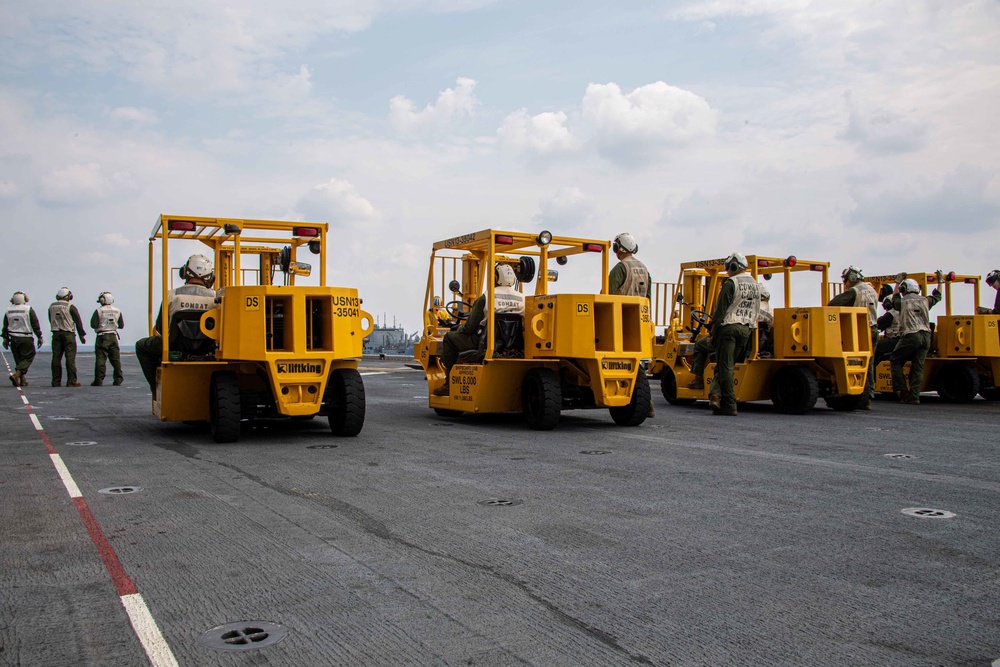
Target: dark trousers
729 340
913 348
23 349
454 343
870 383
106 349
63 343
149 353
702 350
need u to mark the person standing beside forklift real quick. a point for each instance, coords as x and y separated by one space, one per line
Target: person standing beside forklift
63 318
993 280
629 277
734 319
106 321
506 299
861 294
195 295
915 338
19 322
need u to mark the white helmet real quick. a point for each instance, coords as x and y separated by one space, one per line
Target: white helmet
19 298
503 276
909 286
64 294
106 299
765 294
736 259
626 242
199 266
852 274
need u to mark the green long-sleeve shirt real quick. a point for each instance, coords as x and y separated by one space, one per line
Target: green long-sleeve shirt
726 296
476 315
32 320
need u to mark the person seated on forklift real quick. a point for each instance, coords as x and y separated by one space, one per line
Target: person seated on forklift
441 315
915 338
195 295
736 313
506 299
857 292
993 280
629 277
765 320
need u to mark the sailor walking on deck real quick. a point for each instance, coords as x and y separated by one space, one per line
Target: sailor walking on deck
19 323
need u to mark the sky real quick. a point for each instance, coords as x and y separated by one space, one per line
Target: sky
847 131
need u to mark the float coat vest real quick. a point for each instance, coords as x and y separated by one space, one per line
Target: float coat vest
507 300
636 278
866 297
17 321
914 315
59 317
190 297
745 308
107 319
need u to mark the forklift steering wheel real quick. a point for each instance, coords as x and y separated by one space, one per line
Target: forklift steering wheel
459 310
699 316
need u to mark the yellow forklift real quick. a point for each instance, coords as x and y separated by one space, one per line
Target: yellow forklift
807 353
269 348
964 359
575 350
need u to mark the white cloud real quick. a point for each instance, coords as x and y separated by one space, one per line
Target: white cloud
542 135
9 191
134 115
882 131
568 208
451 105
80 184
633 127
337 202
116 239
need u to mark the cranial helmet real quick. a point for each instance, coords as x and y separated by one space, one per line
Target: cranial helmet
992 277
852 274
885 291
503 275
106 299
735 262
19 298
64 294
909 286
199 266
626 242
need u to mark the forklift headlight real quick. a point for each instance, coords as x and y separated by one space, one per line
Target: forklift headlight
544 238
314 247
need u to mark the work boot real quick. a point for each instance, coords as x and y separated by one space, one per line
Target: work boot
697 383
442 390
652 412
57 383
715 402
96 383
74 383
118 382
724 413
15 379
867 405
24 380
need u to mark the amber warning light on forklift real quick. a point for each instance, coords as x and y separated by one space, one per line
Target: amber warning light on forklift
181 226
592 247
306 231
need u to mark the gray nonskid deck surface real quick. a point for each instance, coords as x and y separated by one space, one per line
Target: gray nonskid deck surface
762 540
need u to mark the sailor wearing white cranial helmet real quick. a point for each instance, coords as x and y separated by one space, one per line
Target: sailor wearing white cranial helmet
915 339
736 313
66 324
106 321
19 324
858 293
993 280
629 277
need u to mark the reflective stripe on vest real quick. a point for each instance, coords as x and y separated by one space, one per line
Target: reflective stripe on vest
18 321
190 297
507 300
59 317
636 278
914 315
745 308
107 319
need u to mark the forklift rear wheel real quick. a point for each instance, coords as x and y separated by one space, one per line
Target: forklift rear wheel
846 402
958 383
224 407
541 398
794 390
345 397
637 409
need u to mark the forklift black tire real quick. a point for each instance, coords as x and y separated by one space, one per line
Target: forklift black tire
541 399
224 407
668 387
345 398
989 393
637 409
958 383
846 402
794 390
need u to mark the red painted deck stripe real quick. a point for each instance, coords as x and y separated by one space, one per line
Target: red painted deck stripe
123 582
